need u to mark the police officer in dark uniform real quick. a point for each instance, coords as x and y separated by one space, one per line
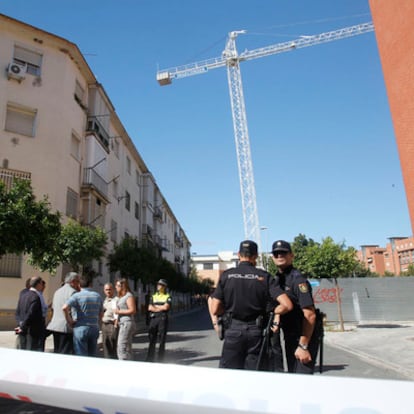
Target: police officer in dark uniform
298 325
241 297
159 306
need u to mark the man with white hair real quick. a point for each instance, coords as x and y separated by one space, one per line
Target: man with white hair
61 330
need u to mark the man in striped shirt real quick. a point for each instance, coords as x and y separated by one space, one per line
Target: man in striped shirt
88 307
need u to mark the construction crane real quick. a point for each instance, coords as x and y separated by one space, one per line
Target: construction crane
232 59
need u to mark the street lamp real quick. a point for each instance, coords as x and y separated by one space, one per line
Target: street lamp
265 254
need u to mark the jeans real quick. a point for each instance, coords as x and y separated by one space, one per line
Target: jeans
85 340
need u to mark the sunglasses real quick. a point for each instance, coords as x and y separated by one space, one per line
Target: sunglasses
275 254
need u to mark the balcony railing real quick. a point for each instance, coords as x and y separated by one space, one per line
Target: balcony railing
7 176
92 178
93 125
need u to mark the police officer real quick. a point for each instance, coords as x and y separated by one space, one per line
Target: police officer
160 303
298 325
242 294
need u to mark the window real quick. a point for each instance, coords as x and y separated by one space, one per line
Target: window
11 265
115 188
32 59
72 203
114 230
127 201
137 177
128 165
79 94
115 147
20 120
75 147
136 210
208 266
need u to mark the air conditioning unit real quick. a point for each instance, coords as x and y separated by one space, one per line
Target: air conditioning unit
16 71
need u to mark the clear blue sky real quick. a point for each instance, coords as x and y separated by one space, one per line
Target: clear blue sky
323 147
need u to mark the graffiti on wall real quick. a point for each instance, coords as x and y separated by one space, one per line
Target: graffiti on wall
326 295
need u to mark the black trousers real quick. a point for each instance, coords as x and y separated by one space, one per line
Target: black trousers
291 342
241 347
62 343
30 342
158 327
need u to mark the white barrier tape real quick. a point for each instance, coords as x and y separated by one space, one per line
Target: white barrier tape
106 386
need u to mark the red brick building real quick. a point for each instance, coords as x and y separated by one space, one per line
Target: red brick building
393 22
393 259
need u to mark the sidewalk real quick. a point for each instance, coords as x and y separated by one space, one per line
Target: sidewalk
386 344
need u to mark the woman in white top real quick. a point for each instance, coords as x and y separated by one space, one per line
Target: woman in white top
126 309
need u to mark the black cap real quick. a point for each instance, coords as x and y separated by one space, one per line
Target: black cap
281 246
162 282
248 248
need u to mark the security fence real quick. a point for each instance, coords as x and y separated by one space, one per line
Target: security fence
366 299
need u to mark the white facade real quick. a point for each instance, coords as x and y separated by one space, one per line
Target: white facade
59 128
212 266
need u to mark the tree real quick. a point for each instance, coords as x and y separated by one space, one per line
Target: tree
134 262
331 260
76 245
409 271
328 260
26 225
82 244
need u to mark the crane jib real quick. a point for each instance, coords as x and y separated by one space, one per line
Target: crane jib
231 59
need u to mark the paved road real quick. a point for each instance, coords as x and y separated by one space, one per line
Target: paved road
191 341
378 351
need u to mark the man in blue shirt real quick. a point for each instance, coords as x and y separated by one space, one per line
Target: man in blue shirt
88 306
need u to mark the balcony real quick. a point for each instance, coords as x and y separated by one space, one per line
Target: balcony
147 231
7 176
92 179
178 240
158 213
94 126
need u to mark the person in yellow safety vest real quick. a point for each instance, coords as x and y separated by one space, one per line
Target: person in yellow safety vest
159 306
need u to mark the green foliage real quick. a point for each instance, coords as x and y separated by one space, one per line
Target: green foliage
131 261
77 245
329 260
409 271
81 244
324 260
140 263
26 225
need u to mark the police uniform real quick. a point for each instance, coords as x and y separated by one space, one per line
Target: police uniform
299 290
244 291
158 324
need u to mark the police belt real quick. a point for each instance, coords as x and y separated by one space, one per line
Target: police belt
248 321
158 314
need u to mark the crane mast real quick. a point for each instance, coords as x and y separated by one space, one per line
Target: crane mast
231 59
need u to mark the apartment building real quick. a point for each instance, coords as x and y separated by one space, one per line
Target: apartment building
212 266
393 259
59 129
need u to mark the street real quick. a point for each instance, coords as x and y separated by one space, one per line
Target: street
192 341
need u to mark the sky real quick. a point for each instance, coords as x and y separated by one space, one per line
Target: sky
323 147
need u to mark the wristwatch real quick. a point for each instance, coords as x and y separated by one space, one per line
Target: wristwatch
303 346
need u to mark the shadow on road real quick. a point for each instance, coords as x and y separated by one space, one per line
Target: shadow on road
382 325
326 368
